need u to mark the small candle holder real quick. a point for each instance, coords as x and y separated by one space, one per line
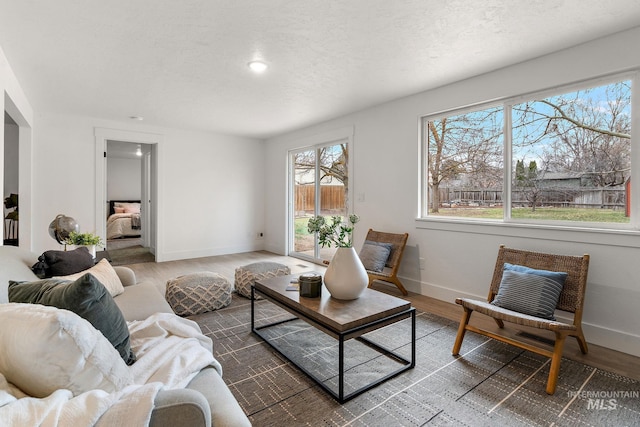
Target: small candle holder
310 285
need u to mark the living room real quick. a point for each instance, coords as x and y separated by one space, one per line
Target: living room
216 190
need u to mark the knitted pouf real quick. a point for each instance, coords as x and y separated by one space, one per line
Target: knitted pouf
248 274
197 293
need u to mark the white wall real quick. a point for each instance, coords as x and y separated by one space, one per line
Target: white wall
124 179
460 257
210 186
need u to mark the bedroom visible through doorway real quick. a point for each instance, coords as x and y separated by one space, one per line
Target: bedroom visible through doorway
128 219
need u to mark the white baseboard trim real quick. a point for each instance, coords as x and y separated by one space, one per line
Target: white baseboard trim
180 255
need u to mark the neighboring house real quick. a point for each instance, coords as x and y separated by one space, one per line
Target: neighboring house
578 189
563 180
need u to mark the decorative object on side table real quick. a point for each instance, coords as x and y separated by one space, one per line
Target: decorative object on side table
61 227
345 277
11 220
89 240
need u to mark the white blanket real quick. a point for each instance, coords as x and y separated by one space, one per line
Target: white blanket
170 351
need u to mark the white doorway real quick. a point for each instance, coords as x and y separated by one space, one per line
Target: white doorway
128 195
126 176
19 171
319 184
11 182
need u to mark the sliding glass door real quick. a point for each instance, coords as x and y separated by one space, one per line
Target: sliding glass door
319 182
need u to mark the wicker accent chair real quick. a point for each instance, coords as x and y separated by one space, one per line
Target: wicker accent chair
571 300
390 273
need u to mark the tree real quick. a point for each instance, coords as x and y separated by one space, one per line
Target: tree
467 145
333 164
586 131
526 181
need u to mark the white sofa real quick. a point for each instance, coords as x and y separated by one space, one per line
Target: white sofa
206 401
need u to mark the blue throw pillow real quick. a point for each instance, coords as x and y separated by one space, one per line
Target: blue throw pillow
530 291
558 276
374 255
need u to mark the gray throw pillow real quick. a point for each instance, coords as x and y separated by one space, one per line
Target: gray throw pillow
63 263
530 291
374 255
86 297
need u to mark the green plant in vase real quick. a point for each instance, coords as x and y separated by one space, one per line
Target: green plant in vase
89 240
84 239
345 277
333 232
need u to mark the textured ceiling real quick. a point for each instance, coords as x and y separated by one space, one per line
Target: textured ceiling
184 63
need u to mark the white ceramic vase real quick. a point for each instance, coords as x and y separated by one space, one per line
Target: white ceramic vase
90 248
346 277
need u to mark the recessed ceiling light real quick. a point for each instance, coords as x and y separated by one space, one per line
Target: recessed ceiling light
257 66
136 118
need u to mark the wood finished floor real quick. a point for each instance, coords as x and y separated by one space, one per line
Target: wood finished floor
159 273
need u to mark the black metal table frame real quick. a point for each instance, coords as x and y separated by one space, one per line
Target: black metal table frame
342 337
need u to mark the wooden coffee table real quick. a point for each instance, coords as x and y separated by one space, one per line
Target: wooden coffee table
342 320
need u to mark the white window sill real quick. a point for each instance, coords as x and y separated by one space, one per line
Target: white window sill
577 234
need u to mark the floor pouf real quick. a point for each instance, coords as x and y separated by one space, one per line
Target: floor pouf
197 293
248 274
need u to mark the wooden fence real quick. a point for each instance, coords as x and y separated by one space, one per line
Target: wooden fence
331 198
600 197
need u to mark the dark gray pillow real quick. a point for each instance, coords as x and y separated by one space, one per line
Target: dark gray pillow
530 291
374 255
86 297
63 263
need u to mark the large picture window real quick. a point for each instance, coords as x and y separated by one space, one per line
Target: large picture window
465 163
561 157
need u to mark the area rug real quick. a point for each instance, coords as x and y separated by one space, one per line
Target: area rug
490 384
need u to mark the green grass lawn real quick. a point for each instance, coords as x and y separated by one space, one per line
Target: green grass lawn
545 214
301 226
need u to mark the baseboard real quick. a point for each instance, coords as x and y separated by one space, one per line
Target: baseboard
180 255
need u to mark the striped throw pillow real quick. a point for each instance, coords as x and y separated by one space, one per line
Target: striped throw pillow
530 291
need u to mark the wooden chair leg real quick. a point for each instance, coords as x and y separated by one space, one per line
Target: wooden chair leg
461 330
499 322
582 342
554 370
393 280
397 282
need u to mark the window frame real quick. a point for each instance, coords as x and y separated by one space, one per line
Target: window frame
342 135
507 104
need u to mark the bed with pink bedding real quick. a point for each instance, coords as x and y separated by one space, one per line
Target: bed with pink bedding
124 219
